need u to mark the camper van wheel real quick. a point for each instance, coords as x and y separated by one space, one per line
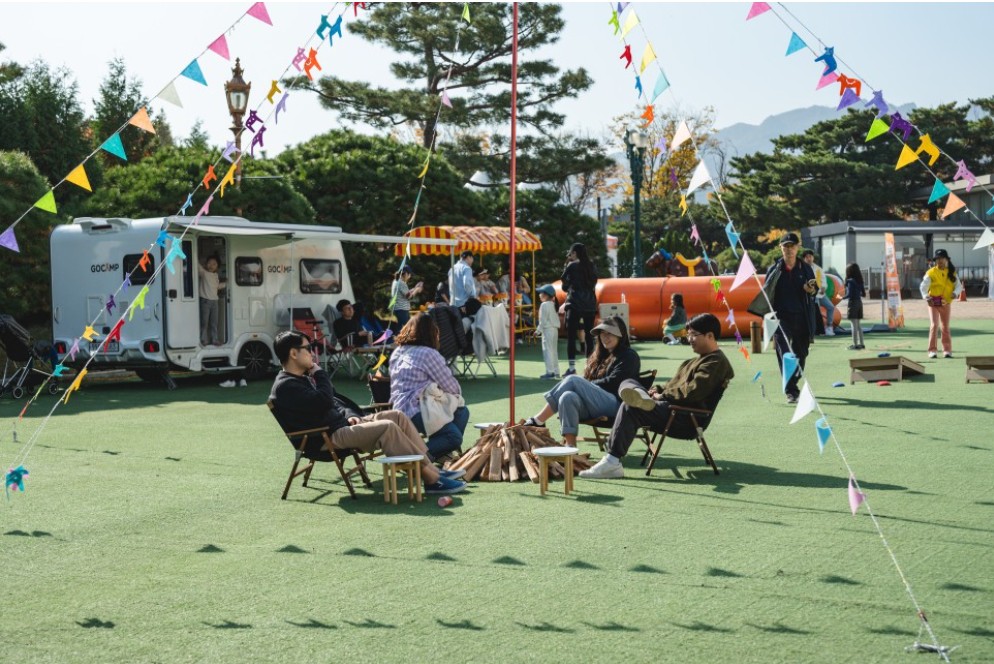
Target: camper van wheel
17 392
53 387
256 358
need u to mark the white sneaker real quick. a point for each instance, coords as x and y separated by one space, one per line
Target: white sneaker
932 354
829 332
227 383
606 469
243 383
637 398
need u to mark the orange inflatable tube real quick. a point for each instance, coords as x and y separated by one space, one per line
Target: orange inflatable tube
649 300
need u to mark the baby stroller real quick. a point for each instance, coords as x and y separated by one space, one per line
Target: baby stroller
19 372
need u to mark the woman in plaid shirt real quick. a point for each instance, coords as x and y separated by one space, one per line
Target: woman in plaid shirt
414 364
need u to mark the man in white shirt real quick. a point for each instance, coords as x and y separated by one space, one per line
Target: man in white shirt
462 285
808 256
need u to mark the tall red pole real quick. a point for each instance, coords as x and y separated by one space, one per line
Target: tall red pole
513 295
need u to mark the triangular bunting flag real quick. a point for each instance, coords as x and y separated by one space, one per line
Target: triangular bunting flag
662 84
75 385
770 326
746 270
220 46
795 45
46 202
114 146
827 79
445 99
733 238
424 171
647 56
856 497
805 404
789 368
824 433
681 136
7 239
258 10
630 23
953 203
699 178
848 99
908 156
465 12
938 191
169 94
757 9
877 127
78 178
986 239
193 72
142 121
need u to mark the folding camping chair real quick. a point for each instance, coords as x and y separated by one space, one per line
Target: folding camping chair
602 425
685 424
20 375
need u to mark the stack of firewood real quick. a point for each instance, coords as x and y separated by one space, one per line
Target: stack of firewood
504 454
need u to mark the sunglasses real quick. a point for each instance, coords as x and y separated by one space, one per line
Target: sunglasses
306 347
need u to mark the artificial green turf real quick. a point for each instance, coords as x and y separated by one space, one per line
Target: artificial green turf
152 531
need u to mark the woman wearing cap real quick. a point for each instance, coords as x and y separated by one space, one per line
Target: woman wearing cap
401 295
940 287
579 279
595 394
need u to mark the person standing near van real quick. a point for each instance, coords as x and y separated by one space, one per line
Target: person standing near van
940 287
401 295
579 278
210 284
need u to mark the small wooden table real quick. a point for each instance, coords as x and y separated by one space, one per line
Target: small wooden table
547 455
872 369
410 464
980 367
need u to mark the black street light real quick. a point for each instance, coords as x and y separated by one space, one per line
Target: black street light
636 143
237 92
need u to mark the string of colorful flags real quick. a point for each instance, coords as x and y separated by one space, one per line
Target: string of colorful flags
14 477
806 402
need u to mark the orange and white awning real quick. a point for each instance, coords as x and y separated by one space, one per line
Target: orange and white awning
478 239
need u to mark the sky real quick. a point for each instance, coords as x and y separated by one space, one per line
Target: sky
925 53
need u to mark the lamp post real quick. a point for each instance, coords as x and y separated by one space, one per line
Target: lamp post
237 93
636 143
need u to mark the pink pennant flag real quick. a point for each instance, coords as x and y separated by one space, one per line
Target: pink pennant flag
746 270
258 10
220 46
757 9
383 337
445 99
827 79
695 236
856 497
8 240
730 318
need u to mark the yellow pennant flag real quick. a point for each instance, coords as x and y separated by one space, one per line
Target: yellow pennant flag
953 203
78 178
907 156
383 358
630 23
465 12
647 57
89 333
683 205
74 386
142 121
424 171
229 178
46 202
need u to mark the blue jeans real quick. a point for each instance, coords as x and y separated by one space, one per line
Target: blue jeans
826 302
402 315
449 437
575 398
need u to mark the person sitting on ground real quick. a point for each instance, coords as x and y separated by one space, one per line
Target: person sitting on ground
416 365
347 329
304 398
595 394
676 325
692 386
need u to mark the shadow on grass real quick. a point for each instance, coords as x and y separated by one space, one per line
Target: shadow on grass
779 628
961 587
441 557
647 569
462 624
33 533
580 564
290 548
312 624
210 548
95 623
599 499
698 626
839 580
228 624
546 627
508 560
982 632
890 631
373 504
369 623
612 627
908 404
717 571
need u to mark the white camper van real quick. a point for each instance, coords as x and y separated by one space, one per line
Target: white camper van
268 270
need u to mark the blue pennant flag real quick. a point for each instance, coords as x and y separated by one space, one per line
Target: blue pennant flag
638 85
824 433
193 73
938 191
662 84
114 146
795 45
790 365
733 237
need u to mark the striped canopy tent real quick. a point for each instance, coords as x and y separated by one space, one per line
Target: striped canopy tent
478 239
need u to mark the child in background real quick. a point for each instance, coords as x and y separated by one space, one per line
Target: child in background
548 329
676 325
854 298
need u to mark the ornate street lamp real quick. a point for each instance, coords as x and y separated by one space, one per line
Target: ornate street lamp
237 92
636 143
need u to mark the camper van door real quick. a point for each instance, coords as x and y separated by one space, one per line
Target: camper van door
182 306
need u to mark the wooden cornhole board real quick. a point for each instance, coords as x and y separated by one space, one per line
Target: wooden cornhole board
872 369
980 367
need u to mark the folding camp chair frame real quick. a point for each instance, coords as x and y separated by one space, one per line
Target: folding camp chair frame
602 425
654 440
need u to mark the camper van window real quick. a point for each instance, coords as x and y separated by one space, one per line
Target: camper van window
320 276
187 270
139 277
248 271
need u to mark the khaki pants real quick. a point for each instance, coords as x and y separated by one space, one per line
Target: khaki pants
390 430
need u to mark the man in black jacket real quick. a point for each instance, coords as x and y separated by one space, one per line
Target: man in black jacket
791 288
303 398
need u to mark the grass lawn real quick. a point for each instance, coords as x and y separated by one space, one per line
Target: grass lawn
152 531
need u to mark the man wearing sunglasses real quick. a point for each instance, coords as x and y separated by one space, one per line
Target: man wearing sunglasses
304 398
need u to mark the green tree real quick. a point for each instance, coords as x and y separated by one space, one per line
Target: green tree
120 97
26 292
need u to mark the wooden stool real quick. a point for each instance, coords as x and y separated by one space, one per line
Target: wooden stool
410 464
980 367
547 455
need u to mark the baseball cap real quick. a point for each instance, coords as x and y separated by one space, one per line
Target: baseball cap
608 327
940 253
790 238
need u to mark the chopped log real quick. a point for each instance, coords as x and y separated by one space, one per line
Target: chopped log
530 467
476 464
496 463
